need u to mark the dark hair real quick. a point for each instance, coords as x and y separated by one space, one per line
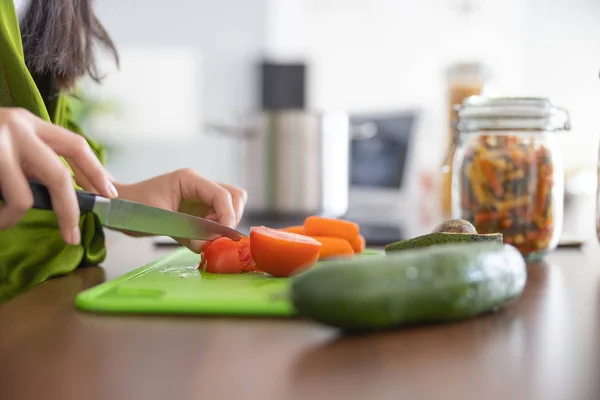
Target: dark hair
59 38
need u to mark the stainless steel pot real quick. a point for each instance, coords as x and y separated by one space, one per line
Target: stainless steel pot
296 162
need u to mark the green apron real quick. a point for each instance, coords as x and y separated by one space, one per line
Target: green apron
33 250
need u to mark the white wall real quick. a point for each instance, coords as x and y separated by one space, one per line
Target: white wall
387 54
382 54
227 37
364 55
562 61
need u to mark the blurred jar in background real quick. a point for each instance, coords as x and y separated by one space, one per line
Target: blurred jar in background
463 80
598 200
580 197
508 173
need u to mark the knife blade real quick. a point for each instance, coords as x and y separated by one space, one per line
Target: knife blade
131 216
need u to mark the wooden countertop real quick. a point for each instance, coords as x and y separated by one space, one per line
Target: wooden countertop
545 346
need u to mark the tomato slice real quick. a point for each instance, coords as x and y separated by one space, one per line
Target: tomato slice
246 261
281 253
221 256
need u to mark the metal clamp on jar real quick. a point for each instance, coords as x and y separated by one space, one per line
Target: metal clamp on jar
508 174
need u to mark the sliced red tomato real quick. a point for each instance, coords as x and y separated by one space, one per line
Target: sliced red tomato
221 256
281 253
246 261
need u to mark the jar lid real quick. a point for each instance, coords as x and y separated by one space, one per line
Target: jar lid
511 113
471 69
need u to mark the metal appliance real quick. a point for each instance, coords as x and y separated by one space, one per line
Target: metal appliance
296 163
384 176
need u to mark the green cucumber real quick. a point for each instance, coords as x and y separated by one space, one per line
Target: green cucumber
435 284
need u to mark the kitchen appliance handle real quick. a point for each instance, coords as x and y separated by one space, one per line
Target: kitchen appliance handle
229 130
364 131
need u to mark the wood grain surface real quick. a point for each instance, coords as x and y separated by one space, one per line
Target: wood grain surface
544 346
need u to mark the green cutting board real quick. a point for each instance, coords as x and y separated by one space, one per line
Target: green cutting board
174 285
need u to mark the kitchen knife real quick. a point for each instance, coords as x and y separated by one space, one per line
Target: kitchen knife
136 217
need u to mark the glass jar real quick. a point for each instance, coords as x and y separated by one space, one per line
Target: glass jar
508 172
463 80
598 200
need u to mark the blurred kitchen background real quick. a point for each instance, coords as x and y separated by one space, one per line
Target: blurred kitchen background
193 72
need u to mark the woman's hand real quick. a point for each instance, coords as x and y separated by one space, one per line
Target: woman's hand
30 148
186 191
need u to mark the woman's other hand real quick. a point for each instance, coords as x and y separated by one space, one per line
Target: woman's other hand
29 149
186 191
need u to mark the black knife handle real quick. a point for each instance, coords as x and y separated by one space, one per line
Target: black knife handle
42 201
